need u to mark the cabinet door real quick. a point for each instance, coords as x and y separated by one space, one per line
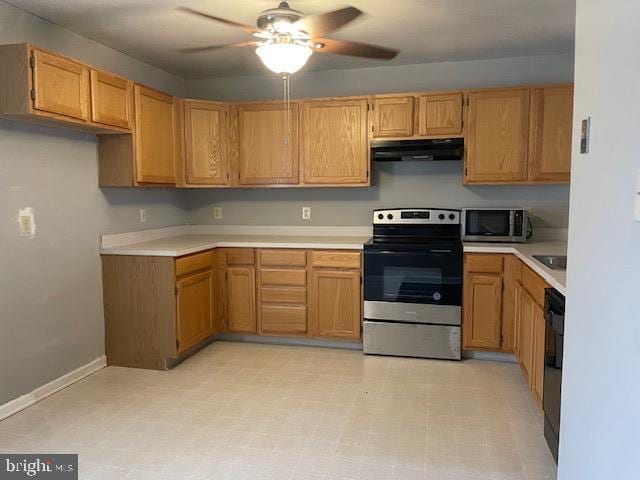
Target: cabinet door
154 136
206 154
393 116
194 309
336 303
335 145
268 144
111 99
512 275
482 311
440 114
550 138
61 85
537 383
526 322
241 299
497 136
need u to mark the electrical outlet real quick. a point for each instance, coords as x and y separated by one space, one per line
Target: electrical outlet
217 213
306 213
636 211
26 222
143 215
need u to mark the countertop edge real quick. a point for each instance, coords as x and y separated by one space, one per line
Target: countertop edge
530 262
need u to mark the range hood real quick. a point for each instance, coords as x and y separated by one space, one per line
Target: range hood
424 150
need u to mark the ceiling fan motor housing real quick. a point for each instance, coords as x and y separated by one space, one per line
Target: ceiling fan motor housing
272 16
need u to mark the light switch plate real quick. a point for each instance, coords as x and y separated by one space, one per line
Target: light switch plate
636 210
26 222
306 213
217 213
585 132
143 215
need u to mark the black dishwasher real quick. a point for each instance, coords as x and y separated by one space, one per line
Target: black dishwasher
554 335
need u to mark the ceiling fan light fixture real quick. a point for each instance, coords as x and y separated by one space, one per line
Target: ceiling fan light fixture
284 57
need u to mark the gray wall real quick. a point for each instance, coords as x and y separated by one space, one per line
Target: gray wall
601 379
406 184
50 285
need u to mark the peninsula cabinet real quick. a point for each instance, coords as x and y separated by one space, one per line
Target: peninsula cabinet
158 308
206 152
335 143
519 135
267 143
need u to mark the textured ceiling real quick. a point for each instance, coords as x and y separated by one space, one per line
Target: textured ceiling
424 30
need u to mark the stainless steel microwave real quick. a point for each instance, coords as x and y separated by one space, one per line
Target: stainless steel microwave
495 224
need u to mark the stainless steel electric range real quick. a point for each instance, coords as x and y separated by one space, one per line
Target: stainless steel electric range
413 284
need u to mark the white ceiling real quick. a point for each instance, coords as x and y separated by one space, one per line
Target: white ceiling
424 30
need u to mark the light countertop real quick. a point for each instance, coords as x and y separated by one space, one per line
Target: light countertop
178 241
190 243
525 252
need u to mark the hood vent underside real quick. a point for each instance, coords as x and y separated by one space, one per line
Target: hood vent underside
440 149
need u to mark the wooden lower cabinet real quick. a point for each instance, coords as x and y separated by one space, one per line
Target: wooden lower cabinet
241 299
194 318
482 311
336 303
158 308
539 329
526 313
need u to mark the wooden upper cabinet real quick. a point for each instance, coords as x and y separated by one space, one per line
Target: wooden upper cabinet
440 114
206 151
482 311
268 144
550 133
111 99
393 116
194 318
497 136
241 299
336 303
61 86
335 144
155 136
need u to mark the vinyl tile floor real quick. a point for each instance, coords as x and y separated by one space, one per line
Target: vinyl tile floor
241 411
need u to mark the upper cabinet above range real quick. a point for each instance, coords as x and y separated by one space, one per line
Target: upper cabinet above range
419 115
40 86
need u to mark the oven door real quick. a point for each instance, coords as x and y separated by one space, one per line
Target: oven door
416 275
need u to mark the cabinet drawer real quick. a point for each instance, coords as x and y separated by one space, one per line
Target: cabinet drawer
336 259
475 263
283 295
283 319
283 258
273 276
534 285
193 263
240 256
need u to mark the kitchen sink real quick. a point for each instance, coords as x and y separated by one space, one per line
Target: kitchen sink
554 262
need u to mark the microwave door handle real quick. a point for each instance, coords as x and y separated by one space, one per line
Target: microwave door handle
512 223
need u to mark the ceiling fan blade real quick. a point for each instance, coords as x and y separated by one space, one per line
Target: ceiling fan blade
209 48
321 24
231 23
355 49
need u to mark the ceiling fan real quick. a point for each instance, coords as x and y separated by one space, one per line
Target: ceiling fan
285 38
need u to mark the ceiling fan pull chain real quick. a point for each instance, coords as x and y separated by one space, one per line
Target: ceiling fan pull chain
287 105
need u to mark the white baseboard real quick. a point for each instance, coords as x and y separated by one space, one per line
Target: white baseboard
20 403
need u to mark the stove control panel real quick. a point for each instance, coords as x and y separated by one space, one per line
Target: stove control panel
425 216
